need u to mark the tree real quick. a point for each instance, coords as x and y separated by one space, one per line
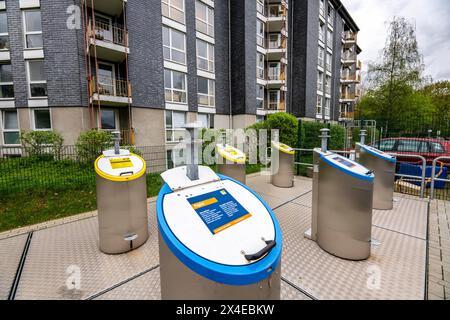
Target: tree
439 92
399 69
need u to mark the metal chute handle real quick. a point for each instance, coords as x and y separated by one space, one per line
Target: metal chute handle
127 173
256 256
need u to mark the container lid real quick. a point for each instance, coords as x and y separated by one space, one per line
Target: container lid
213 228
122 167
346 165
231 154
377 153
283 147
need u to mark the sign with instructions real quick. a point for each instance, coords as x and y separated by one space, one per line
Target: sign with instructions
219 210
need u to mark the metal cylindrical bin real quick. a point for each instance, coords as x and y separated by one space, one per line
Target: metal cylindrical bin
208 255
121 201
344 206
383 165
282 165
231 162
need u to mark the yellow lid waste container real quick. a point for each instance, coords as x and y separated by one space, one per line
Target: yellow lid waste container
282 165
231 162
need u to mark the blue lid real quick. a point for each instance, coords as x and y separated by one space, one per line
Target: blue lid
347 166
378 153
246 274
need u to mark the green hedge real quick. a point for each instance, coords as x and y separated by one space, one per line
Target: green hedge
310 133
286 123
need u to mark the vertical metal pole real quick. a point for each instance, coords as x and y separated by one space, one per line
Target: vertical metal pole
192 144
422 184
116 138
325 135
433 177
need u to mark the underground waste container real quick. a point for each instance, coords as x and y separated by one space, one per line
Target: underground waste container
231 162
121 201
282 165
218 240
342 206
383 165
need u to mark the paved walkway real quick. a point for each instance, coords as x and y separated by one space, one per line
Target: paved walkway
51 255
439 251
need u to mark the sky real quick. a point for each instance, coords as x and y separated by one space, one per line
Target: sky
432 19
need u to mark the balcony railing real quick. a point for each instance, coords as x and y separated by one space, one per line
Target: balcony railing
349 36
349 56
109 33
348 96
110 87
351 77
347 115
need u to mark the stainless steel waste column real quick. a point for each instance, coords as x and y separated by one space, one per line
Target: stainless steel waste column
121 201
218 240
231 162
383 165
342 206
282 165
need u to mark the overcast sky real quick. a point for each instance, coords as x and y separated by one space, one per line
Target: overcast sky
432 18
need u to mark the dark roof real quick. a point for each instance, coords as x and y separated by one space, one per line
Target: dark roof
339 6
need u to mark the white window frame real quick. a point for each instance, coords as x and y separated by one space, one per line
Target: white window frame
270 74
26 33
211 97
208 119
322 8
33 112
270 103
260 69
330 38
210 60
172 6
171 47
116 119
327 84
209 24
259 98
172 88
330 14
320 75
172 128
327 108
259 5
27 64
319 105
11 83
322 31
3 34
4 130
260 37
329 62
321 59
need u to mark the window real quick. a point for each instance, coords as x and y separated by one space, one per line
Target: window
260 72
319 80
329 61
204 18
321 56
173 9
408 145
327 107
108 119
274 41
274 100
259 33
322 8
175 86
6 82
260 6
205 56
175 120
319 105
321 31
259 96
33 29
206 120
387 145
330 14
36 79
206 92
175 158
275 10
330 39
274 71
4 37
328 84
174 45
42 119
10 126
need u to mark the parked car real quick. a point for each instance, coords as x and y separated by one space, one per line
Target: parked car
428 148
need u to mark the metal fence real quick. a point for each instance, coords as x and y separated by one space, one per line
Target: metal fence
22 169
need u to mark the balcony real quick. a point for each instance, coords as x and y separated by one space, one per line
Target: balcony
113 92
346 116
109 41
348 96
276 81
350 78
349 58
276 17
349 38
276 50
109 7
359 65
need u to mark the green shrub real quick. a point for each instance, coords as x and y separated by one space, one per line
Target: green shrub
42 144
92 143
287 125
311 132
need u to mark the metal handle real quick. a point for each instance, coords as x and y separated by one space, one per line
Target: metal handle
128 173
253 257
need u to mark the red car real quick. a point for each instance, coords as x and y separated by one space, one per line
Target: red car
428 148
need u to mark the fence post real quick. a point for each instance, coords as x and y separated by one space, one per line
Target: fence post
362 135
422 184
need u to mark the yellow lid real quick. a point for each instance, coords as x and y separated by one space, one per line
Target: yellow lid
120 168
283 147
231 154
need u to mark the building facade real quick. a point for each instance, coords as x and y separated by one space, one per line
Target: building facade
147 67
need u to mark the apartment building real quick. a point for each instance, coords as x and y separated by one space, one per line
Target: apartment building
147 67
